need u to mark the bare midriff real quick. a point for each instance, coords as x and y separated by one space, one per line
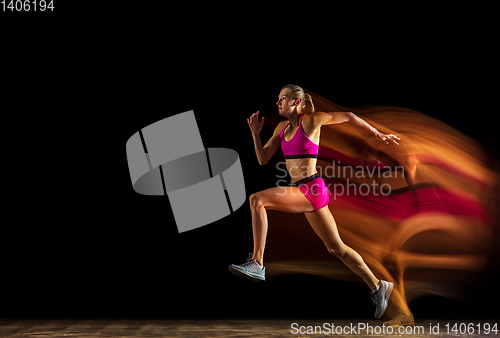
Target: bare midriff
300 168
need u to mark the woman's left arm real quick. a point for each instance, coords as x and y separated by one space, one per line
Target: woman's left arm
341 117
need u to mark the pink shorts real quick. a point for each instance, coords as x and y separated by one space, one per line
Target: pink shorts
315 190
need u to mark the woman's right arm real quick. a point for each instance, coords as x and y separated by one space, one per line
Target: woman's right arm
264 153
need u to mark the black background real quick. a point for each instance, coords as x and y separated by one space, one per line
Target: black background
79 241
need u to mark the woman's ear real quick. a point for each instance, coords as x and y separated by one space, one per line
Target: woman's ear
298 102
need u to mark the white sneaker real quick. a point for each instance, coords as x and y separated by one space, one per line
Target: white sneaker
250 270
380 297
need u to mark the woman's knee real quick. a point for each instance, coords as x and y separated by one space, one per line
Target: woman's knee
255 200
337 250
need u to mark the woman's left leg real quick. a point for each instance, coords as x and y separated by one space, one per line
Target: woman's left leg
287 199
324 225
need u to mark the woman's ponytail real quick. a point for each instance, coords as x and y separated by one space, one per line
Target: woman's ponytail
307 105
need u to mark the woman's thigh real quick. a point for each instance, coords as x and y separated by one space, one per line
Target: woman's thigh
287 199
324 225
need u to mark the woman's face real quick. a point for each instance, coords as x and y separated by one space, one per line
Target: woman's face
286 103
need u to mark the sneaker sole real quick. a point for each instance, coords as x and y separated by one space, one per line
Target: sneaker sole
247 275
388 293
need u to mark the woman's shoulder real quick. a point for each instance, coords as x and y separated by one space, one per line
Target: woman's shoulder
313 120
282 124
279 128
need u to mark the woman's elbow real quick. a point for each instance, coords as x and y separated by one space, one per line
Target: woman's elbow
263 157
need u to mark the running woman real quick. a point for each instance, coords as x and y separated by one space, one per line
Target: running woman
299 138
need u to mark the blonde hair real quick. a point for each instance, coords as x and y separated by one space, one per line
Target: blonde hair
297 92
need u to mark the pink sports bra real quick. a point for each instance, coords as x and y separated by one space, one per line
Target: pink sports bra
300 146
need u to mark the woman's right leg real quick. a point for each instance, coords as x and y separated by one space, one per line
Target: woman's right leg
324 225
287 199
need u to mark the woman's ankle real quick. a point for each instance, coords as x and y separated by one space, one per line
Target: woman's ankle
259 260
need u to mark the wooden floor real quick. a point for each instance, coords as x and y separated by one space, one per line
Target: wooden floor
232 328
